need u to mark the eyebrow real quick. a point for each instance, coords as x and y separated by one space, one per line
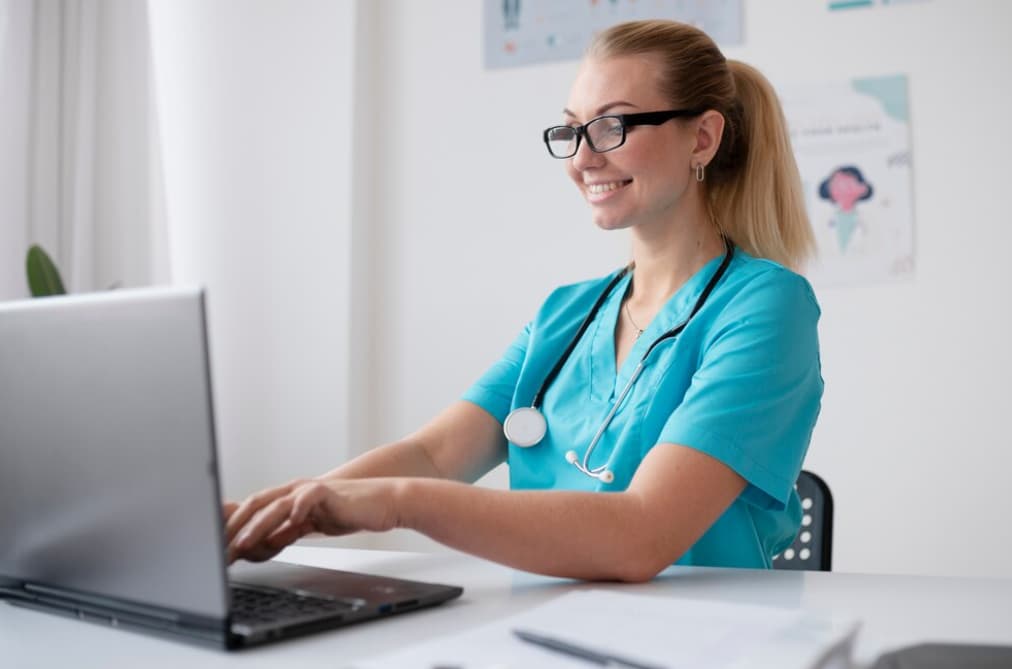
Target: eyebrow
604 108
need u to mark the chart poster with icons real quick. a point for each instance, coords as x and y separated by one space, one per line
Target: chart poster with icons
524 32
835 5
852 144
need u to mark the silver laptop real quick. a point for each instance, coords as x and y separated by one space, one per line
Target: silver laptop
110 507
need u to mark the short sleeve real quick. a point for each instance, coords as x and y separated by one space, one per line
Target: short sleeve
755 397
494 391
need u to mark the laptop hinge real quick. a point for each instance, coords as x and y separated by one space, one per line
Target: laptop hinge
74 598
115 612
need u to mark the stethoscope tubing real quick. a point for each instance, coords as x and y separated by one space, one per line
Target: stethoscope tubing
534 433
585 465
538 396
673 332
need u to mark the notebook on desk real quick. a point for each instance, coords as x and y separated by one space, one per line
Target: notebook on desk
109 491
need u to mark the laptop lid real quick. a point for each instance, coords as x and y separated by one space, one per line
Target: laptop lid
107 460
109 494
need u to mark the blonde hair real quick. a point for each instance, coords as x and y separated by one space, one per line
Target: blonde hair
752 188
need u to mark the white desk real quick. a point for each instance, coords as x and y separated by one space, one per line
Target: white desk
895 610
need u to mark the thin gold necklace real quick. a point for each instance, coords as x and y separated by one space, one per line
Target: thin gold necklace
639 330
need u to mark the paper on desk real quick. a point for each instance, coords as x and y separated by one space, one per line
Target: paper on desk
670 632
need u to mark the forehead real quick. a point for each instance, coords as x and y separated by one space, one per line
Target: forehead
601 82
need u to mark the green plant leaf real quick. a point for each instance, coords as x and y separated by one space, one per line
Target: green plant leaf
43 277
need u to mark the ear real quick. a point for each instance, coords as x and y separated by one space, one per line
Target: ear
709 130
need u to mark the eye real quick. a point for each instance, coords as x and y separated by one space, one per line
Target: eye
561 133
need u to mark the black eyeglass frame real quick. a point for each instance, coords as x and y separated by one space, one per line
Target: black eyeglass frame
625 121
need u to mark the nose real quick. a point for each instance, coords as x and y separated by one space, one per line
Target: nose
585 158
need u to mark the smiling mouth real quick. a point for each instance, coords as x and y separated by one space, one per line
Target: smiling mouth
598 189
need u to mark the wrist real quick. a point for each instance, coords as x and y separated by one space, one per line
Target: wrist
402 492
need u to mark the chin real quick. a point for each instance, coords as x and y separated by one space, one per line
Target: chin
612 222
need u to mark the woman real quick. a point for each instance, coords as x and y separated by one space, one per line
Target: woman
684 387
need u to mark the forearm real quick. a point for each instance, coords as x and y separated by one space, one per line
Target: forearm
406 457
585 535
462 443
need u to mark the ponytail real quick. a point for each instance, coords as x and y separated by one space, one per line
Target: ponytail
756 195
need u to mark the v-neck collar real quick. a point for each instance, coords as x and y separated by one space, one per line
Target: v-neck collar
606 380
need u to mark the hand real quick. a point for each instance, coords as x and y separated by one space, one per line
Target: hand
266 522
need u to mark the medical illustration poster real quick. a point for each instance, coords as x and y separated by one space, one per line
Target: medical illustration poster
852 143
523 32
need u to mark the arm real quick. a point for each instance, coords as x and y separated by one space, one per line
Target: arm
461 443
676 494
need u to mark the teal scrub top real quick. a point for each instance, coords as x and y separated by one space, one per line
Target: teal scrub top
742 383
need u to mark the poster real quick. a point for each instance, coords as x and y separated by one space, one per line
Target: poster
835 5
852 143
523 32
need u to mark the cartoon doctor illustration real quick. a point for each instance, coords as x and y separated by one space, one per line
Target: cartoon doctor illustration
845 187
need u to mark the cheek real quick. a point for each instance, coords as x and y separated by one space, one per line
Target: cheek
662 161
572 172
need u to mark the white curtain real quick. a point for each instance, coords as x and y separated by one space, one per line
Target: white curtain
76 143
15 74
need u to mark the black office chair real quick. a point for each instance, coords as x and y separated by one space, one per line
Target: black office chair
812 549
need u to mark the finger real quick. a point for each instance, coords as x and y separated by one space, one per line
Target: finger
257 554
264 523
282 523
284 534
228 508
252 504
308 502
287 534
318 508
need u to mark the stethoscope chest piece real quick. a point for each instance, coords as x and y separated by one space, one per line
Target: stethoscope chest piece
525 427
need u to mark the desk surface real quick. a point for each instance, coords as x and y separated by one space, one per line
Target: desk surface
894 610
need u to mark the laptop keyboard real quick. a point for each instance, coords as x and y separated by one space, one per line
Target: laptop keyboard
253 606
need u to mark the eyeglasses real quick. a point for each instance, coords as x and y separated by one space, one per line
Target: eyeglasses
605 133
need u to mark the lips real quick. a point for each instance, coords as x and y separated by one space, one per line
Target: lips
602 190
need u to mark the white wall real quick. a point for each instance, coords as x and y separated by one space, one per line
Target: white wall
912 434
254 106
473 223
123 137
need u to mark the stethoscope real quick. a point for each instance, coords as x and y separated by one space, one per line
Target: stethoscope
526 426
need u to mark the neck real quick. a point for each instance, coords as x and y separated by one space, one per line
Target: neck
668 257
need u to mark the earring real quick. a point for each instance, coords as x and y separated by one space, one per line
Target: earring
699 172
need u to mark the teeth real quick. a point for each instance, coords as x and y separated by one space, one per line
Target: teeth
604 188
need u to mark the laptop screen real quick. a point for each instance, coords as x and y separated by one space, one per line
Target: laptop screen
108 478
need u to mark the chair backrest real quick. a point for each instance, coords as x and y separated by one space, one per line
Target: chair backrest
812 549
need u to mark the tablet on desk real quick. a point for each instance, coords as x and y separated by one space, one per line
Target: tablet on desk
946 656
109 486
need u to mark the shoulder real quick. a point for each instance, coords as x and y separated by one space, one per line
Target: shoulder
759 285
579 297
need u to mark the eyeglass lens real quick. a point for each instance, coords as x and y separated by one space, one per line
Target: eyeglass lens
603 134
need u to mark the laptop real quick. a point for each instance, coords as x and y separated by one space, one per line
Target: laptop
110 506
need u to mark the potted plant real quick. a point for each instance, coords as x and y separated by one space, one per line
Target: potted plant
43 277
